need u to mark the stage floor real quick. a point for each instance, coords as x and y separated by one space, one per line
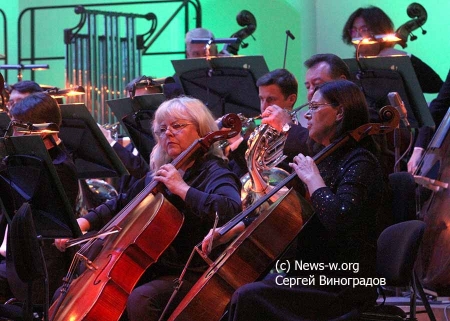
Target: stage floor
441 309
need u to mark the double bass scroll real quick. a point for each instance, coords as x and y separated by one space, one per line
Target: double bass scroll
419 16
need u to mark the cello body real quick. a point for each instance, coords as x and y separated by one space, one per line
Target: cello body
435 253
142 231
246 259
101 294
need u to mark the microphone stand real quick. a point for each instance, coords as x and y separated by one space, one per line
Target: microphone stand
288 35
397 145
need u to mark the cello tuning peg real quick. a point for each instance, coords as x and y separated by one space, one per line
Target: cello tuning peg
424 32
412 37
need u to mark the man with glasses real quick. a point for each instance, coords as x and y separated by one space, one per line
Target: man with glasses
371 21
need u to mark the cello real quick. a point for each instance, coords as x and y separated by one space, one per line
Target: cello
434 172
251 255
139 234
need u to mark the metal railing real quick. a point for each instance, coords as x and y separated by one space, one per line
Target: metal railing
4 41
104 51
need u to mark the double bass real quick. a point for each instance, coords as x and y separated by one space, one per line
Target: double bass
138 235
244 18
251 255
434 170
419 16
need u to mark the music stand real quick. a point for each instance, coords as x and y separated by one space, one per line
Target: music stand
378 76
30 177
4 123
136 116
224 84
90 150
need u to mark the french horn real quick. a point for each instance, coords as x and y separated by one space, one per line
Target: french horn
264 153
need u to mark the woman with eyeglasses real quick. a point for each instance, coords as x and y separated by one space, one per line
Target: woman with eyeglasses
205 188
339 241
371 21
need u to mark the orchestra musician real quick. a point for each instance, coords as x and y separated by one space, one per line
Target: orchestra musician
205 188
198 50
20 90
277 89
38 108
370 21
346 193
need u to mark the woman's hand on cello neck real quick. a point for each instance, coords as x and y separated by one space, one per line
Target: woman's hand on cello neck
171 177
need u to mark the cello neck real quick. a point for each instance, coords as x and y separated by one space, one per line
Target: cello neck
317 159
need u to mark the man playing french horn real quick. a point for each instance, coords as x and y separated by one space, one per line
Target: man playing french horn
277 94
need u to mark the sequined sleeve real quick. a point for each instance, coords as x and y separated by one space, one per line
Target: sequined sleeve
353 187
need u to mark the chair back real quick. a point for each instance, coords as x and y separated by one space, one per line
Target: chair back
403 189
397 249
25 249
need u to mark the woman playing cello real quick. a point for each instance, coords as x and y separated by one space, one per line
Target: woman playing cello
205 187
346 193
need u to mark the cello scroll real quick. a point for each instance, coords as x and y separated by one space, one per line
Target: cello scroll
390 117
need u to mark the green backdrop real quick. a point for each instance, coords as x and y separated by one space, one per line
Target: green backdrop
317 26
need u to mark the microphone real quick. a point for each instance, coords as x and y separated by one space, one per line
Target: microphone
396 101
288 32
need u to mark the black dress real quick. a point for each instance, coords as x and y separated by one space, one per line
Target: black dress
337 244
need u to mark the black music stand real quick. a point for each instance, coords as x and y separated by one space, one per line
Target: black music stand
90 150
136 116
224 84
29 176
378 76
4 123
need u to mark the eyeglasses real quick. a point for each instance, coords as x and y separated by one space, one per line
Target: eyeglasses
174 128
313 107
363 31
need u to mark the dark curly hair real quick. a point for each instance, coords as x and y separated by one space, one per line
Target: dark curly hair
377 21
